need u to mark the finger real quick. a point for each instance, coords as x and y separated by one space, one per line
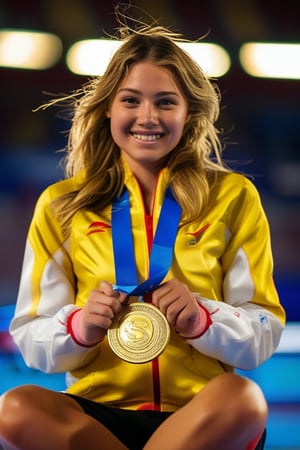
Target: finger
99 303
123 298
188 319
174 310
160 293
107 289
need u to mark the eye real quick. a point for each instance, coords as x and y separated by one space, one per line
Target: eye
130 101
166 102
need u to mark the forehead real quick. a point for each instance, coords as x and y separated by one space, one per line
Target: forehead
148 76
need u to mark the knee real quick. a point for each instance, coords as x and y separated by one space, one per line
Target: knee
250 400
229 412
244 401
14 410
234 400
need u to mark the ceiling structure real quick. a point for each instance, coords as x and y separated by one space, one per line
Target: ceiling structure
229 23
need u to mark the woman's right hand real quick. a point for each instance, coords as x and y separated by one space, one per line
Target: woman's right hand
97 314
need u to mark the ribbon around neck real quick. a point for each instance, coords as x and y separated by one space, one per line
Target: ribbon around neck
162 247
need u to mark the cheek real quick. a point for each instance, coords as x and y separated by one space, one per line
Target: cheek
119 119
118 129
179 124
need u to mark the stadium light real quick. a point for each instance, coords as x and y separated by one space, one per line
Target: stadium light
271 60
29 49
91 56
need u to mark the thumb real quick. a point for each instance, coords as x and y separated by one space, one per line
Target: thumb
108 289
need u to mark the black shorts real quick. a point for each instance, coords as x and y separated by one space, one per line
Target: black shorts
132 428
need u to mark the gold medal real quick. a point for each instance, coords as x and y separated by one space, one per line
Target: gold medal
139 333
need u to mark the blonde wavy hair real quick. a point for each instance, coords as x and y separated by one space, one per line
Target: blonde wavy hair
194 162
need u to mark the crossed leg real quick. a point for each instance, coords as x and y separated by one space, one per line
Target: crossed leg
35 418
227 414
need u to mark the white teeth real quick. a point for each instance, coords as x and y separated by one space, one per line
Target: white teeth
143 137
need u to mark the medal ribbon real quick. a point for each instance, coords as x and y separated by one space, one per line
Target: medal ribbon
162 247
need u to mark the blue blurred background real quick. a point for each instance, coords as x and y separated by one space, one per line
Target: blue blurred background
261 122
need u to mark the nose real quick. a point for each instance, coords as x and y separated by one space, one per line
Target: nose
148 114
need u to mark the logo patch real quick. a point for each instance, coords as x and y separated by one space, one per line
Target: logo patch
97 227
264 321
196 235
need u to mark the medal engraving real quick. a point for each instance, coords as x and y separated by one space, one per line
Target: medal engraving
139 333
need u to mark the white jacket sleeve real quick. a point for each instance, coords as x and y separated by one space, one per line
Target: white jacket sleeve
248 320
242 337
46 299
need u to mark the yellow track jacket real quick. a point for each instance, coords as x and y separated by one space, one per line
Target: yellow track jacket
225 259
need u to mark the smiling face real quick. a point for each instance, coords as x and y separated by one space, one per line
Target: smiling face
147 115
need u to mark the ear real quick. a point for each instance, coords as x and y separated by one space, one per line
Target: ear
108 115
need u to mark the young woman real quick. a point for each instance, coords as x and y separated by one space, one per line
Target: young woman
147 273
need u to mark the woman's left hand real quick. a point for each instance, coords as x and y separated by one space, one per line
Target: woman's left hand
180 307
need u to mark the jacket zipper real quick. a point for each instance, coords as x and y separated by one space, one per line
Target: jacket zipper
148 299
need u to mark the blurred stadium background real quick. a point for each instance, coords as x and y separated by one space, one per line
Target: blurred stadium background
261 120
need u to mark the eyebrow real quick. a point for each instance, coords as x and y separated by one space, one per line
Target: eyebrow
136 91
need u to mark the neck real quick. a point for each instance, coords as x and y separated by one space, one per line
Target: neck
146 175
148 185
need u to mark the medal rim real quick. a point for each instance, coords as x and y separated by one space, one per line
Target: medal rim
143 356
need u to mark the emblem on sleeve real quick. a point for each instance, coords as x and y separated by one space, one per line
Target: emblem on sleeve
97 227
196 235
